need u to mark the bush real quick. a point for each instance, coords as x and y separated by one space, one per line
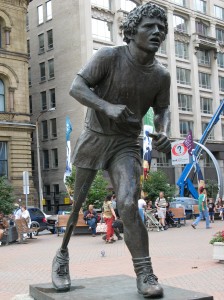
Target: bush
6 196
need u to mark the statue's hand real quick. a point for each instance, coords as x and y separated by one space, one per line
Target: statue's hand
117 112
162 143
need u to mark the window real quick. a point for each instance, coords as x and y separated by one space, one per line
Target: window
185 102
127 5
2 96
31 104
40 14
43 96
162 48
206 105
183 76
56 189
3 159
185 127
29 76
52 98
207 160
200 5
27 21
32 160
101 3
54 158
201 28
219 12
48 10
221 84
45 159
47 189
44 130
220 60
101 30
220 35
162 160
180 2
41 43
204 80
179 23
42 72
51 68
28 47
50 39
53 128
181 50
204 57
211 135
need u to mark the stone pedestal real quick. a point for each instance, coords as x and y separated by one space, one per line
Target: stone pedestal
119 287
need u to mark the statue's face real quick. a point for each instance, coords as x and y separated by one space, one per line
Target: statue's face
150 34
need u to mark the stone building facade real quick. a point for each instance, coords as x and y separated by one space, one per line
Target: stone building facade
62 38
15 125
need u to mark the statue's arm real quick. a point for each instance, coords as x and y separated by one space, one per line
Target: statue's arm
80 90
161 122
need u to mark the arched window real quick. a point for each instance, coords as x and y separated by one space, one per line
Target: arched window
2 96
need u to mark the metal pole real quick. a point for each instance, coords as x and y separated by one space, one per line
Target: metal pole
38 166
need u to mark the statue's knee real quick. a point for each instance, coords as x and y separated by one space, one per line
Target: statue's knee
128 211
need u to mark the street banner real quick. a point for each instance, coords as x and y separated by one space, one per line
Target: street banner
148 127
179 153
68 169
188 142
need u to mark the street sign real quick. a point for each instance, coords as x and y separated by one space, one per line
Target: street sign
179 153
26 188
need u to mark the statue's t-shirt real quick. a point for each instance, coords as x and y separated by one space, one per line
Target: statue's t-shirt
117 78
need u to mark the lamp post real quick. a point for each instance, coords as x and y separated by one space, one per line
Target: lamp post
38 159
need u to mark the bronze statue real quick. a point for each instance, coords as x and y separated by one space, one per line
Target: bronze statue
119 85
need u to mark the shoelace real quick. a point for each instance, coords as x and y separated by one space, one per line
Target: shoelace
151 278
62 270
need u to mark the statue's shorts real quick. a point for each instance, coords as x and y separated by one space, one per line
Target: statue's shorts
97 151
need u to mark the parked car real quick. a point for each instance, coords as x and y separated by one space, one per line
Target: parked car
186 202
38 216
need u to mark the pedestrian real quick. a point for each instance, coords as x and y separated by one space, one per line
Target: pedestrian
91 217
109 217
211 210
17 212
26 215
119 85
161 205
141 209
203 210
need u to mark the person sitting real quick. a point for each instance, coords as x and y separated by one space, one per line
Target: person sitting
3 225
90 216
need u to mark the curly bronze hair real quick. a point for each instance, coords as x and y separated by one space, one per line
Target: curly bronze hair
130 24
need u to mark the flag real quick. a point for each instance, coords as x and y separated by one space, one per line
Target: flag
147 141
68 169
189 142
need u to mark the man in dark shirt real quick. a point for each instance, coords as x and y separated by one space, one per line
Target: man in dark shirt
119 85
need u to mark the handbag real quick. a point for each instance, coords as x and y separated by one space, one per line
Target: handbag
101 227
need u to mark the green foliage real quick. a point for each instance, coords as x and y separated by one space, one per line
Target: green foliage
6 197
156 182
97 192
218 237
212 188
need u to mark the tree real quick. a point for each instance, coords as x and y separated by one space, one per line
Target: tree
97 192
156 182
212 188
6 196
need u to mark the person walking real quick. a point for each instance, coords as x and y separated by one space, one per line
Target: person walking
203 210
109 217
161 204
141 208
211 210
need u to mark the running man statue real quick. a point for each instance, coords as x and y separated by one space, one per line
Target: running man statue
119 85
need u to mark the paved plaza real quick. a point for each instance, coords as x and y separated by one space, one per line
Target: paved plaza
182 257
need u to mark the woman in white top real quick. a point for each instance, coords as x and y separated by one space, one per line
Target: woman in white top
160 204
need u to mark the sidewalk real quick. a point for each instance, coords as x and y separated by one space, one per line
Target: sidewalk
182 257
